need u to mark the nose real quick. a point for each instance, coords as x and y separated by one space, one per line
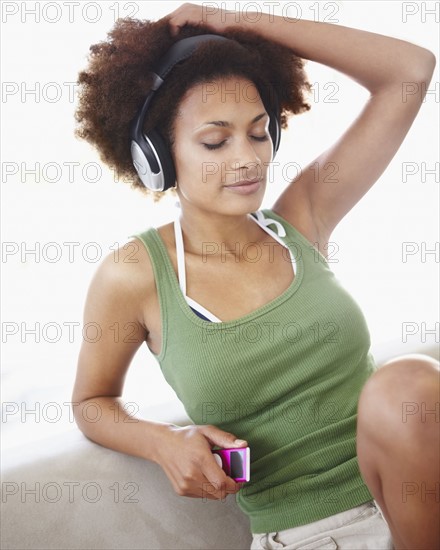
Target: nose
245 157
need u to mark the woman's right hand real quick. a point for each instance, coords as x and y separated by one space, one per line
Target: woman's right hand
195 14
184 454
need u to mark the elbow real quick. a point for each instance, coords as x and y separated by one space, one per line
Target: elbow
413 73
76 405
85 419
429 62
424 66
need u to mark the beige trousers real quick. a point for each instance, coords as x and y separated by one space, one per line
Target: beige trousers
360 528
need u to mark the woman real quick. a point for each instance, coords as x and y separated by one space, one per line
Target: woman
300 387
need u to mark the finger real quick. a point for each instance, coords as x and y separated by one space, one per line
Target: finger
236 485
196 493
174 29
218 483
210 497
210 488
214 480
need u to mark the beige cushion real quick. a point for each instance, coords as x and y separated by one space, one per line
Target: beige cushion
149 513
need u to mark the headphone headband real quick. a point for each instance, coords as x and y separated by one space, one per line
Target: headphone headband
151 157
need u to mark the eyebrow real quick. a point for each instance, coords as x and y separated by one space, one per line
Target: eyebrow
226 124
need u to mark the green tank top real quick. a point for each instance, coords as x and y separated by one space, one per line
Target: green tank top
285 377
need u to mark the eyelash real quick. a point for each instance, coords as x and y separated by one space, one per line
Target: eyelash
218 145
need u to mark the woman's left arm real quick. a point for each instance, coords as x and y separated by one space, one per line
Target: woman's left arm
396 73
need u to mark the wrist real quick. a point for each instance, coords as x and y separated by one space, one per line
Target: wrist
158 437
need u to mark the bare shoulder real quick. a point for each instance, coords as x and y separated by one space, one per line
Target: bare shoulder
136 270
118 295
126 278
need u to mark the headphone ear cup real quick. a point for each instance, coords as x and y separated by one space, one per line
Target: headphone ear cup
275 133
166 166
152 161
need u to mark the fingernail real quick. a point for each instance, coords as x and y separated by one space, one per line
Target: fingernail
239 442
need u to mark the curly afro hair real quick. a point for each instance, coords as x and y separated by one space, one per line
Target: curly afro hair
118 78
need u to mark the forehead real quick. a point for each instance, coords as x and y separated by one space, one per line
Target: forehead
230 94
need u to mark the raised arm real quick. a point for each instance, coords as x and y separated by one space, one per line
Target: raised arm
396 73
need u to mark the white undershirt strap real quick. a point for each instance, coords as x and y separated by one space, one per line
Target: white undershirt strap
178 235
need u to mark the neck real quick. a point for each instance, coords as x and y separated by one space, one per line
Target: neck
215 233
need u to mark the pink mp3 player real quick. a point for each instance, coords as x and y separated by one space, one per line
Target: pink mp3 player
234 462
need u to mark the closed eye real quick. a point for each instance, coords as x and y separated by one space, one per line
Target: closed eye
212 146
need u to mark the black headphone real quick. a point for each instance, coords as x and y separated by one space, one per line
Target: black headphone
151 157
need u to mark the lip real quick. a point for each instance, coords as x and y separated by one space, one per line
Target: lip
243 183
245 187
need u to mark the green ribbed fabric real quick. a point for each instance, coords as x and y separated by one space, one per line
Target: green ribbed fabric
286 378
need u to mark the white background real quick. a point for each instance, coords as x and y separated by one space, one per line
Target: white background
38 132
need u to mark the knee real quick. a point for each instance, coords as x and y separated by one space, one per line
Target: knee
402 389
411 363
406 373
